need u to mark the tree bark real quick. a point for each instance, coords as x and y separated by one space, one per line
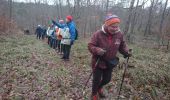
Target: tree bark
134 18
129 17
162 18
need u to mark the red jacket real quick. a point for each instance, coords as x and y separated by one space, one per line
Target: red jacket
111 43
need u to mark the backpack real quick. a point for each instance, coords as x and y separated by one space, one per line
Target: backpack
76 38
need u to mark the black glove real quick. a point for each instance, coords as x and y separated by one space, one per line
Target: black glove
72 42
101 52
129 54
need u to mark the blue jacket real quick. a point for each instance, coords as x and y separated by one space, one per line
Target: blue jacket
39 30
70 25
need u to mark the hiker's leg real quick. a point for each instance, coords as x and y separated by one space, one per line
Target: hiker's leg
43 36
59 41
61 48
97 75
68 51
48 39
51 44
64 51
106 77
38 35
54 43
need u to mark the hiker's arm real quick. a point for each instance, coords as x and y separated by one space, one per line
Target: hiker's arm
92 46
47 32
57 24
123 49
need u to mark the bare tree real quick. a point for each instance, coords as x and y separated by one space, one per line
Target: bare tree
10 9
163 17
150 19
129 17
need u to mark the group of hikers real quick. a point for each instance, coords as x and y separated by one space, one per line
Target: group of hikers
104 46
61 35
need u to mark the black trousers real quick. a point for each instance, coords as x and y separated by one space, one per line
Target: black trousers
59 45
62 45
38 35
100 78
48 39
66 50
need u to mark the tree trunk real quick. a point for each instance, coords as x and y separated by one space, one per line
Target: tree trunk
10 9
162 18
69 8
129 19
61 10
107 6
134 18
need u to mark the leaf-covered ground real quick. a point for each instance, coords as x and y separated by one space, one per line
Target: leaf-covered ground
30 69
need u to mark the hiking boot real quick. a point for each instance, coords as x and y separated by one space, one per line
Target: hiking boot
95 97
62 57
66 60
101 93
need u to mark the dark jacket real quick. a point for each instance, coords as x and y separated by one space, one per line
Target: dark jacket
111 43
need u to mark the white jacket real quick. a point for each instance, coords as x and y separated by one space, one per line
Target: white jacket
49 31
65 36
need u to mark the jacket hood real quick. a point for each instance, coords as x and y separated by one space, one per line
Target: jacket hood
105 31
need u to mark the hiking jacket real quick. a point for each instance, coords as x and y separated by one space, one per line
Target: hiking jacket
71 26
65 36
39 30
49 31
111 43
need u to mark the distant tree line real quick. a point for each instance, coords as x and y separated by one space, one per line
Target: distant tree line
138 18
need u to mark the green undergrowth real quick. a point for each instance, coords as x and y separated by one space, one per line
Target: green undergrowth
30 69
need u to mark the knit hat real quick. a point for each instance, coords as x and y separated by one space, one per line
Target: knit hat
69 17
111 19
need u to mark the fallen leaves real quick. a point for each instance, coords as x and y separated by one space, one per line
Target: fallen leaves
31 70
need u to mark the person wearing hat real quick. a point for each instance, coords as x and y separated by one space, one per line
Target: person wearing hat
59 37
49 33
38 31
103 46
72 30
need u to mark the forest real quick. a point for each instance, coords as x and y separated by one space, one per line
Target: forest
30 69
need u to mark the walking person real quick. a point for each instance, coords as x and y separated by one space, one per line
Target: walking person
59 37
72 30
38 31
49 33
104 45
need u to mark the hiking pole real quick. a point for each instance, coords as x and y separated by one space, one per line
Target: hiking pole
91 75
123 77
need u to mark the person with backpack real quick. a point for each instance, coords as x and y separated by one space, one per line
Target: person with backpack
103 46
72 30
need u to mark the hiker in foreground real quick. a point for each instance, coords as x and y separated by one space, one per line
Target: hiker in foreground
104 45
72 30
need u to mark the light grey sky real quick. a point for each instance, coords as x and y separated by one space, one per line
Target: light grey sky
52 1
